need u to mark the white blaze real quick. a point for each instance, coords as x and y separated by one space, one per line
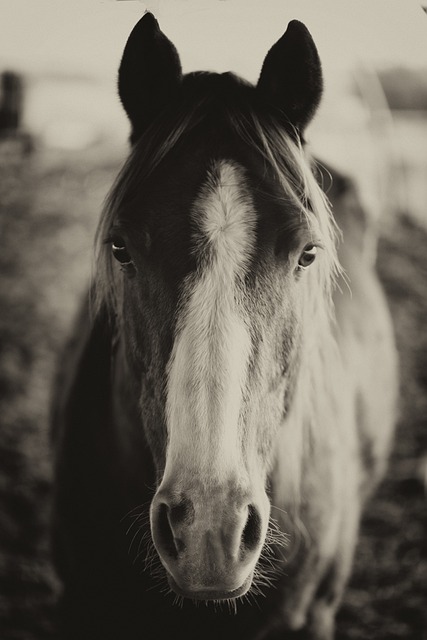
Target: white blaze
208 365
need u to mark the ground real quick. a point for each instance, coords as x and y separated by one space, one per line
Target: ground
49 203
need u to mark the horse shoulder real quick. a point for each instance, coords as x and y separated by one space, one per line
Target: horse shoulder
82 377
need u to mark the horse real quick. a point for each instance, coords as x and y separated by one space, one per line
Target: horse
227 400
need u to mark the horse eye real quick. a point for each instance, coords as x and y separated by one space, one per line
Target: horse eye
120 252
308 256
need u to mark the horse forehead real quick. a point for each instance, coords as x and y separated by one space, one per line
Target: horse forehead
224 215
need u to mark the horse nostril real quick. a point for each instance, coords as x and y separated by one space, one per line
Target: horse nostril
252 532
169 525
165 537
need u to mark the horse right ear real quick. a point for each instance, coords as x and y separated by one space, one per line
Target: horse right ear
149 73
291 76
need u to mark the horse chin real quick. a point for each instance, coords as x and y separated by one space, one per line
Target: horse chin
213 594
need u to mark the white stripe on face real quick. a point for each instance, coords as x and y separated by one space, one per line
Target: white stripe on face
208 365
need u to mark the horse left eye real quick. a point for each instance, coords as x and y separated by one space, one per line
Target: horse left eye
120 252
308 256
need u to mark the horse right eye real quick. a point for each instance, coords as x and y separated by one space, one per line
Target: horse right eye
120 252
307 257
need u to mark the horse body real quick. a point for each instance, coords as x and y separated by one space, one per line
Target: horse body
213 383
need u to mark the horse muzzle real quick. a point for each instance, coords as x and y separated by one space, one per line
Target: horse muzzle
209 544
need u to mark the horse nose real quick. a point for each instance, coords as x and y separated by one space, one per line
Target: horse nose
209 550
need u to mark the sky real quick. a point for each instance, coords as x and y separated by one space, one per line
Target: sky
87 36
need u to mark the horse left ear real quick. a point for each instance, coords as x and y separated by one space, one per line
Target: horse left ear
291 76
149 73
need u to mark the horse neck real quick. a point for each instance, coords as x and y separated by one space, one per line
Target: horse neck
308 428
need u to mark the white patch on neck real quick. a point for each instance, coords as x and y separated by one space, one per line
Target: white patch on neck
209 361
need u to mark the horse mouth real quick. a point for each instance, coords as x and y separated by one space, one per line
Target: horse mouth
211 594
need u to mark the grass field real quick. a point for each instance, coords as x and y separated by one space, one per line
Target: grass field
49 205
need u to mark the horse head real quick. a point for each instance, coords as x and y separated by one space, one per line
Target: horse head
216 245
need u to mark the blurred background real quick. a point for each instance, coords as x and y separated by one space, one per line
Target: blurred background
63 137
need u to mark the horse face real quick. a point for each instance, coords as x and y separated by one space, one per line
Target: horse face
212 326
212 322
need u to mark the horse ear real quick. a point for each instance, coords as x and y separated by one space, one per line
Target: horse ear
150 71
291 76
